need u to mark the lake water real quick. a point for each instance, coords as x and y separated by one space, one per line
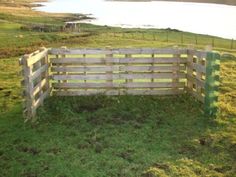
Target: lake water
212 19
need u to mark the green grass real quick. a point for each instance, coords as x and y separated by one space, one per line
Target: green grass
117 136
120 136
10 90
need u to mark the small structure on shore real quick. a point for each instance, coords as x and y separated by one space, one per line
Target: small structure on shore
73 26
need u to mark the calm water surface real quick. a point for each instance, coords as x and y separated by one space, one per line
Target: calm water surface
212 19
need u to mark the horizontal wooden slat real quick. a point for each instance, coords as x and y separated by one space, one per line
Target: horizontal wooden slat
197 53
39 86
118 92
200 54
119 76
142 60
35 58
115 68
40 100
198 67
117 51
118 85
38 72
192 79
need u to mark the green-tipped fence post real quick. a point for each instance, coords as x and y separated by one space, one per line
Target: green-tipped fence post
212 83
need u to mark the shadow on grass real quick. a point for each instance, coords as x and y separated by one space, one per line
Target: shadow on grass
114 136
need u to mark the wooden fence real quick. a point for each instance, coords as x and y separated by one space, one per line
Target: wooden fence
36 81
75 72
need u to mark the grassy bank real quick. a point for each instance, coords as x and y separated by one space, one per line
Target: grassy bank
110 136
19 29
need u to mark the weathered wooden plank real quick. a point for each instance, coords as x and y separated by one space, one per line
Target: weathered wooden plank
192 79
37 66
29 98
200 54
38 72
38 56
154 92
198 75
84 72
152 51
190 69
92 51
119 85
39 86
151 69
140 60
117 92
176 72
198 67
64 56
47 76
117 51
128 72
115 68
40 100
109 73
119 76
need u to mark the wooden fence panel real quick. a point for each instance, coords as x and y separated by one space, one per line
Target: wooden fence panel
196 69
36 81
138 70
203 69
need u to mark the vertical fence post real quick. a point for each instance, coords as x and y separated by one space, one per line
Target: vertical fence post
85 66
29 86
64 73
199 76
58 73
212 83
176 71
128 72
46 75
152 70
190 70
109 73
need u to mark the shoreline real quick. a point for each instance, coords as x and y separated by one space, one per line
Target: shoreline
227 34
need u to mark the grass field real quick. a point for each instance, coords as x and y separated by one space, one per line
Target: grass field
123 136
112 136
